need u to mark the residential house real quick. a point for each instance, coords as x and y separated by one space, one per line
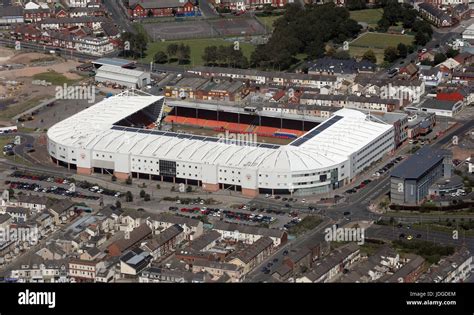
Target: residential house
130 240
91 253
249 234
5 220
164 243
431 76
134 261
204 242
51 252
218 269
408 72
436 16
452 269
37 270
153 8
329 268
222 90
32 202
164 275
84 270
253 255
61 210
192 228
18 214
11 15
410 272
331 66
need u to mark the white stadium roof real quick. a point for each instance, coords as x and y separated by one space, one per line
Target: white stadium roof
93 129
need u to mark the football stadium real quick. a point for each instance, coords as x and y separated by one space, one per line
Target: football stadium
123 135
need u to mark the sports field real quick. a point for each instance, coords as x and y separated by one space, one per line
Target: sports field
197 48
369 16
381 40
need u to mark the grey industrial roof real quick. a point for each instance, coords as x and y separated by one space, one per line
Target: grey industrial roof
439 104
117 62
419 163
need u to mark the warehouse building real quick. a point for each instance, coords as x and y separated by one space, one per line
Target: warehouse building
123 77
410 181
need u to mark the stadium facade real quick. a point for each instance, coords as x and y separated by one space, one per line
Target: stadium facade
103 138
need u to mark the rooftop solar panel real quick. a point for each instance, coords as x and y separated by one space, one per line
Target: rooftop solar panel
312 133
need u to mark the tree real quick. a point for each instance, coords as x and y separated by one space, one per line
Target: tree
452 53
355 4
172 50
402 50
118 204
210 55
330 51
114 178
128 181
128 196
160 57
147 197
383 24
142 193
439 58
183 54
304 31
369 56
390 54
189 189
421 38
341 54
158 186
134 45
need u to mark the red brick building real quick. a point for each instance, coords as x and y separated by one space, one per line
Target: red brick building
152 8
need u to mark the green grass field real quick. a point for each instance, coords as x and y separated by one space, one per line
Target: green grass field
54 77
381 40
16 109
197 48
369 16
267 21
358 52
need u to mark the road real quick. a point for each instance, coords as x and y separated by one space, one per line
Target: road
383 232
207 9
357 204
117 11
258 276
